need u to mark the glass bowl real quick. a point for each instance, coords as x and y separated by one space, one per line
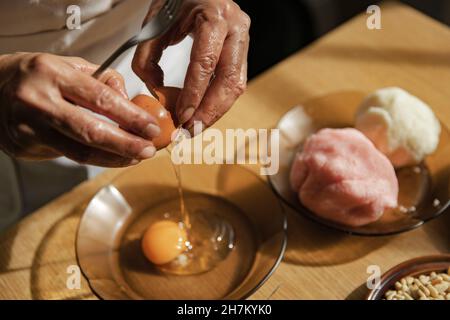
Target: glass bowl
424 190
108 240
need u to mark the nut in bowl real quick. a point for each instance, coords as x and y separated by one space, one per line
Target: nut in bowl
337 197
423 278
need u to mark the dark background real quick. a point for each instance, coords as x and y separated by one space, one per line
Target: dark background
282 27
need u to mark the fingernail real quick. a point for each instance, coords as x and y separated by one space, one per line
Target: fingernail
147 153
152 131
187 114
134 162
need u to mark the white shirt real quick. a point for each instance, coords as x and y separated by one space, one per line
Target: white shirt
40 26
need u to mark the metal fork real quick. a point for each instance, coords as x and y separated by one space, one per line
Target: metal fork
154 28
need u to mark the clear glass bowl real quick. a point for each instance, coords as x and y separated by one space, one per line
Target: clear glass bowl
108 239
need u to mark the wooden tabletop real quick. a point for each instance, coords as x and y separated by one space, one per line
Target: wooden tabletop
411 51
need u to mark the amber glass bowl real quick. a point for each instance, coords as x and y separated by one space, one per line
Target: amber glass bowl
424 190
108 239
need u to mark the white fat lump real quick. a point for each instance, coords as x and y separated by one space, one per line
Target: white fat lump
400 125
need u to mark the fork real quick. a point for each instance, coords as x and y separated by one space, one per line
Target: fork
154 28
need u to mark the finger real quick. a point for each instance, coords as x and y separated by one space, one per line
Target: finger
208 41
65 146
90 93
110 77
91 131
228 84
87 155
115 81
40 142
145 62
148 54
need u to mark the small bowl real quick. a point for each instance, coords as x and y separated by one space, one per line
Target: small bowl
413 267
110 230
424 190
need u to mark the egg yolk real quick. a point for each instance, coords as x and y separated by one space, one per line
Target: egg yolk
159 109
163 242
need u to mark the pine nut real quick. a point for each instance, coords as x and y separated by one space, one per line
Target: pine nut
408 297
432 286
422 294
441 287
424 279
433 292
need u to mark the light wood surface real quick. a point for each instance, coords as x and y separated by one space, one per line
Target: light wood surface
411 51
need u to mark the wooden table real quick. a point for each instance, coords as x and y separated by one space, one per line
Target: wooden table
411 51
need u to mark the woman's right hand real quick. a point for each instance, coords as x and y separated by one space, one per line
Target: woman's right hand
43 98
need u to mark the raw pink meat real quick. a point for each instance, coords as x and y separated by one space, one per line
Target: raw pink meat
341 176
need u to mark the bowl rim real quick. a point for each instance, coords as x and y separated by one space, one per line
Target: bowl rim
259 284
404 269
330 225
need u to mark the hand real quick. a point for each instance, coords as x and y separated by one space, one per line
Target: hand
217 73
43 102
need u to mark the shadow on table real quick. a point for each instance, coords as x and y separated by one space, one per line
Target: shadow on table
437 229
48 274
359 293
6 244
14 254
311 244
45 270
